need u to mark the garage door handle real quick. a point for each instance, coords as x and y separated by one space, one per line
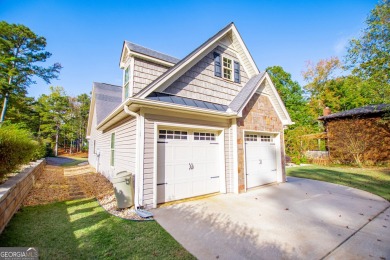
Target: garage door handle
214 177
161 183
274 170
260 161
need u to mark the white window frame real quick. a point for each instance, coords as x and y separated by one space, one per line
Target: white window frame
227 68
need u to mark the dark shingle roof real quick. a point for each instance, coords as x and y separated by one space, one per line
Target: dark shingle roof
108 97
360 111
148 52
186 101
246 92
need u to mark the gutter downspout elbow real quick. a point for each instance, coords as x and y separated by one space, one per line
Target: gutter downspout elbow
137 173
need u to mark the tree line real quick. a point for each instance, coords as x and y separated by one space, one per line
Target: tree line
360 78
54 120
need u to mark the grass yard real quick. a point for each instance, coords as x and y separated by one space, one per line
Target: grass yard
81 229
374 180
76 161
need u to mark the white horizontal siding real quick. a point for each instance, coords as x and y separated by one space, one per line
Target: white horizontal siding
125 148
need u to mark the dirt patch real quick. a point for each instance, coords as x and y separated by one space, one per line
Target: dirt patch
52 186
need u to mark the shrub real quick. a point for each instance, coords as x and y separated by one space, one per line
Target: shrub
16 148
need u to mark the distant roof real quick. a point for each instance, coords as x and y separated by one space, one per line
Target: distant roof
108 97
366 110
246 92
186 101
148 52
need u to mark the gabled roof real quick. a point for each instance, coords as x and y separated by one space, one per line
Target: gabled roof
108 97
360 111
254 85
179 68
164 97
246 92
151 53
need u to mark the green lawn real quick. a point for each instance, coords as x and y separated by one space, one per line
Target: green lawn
81 229
76 161
376 180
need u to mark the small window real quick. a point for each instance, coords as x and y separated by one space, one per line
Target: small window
227 68
251 138
204 136
126 82
94 146
266 138
172 134
112 161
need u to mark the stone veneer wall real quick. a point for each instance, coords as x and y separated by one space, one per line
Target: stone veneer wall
15 190
258 115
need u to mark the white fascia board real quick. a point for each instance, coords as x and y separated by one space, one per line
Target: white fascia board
246 51
91 112
281 104
149 58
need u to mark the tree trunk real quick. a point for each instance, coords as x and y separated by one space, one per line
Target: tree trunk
56 148
4 107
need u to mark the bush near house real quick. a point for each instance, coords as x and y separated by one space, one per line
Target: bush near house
16 148
359 140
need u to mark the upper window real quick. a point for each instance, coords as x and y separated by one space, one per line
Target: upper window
126 81
227 68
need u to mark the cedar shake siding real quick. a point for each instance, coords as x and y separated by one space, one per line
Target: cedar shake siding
258 115
199 82
144 73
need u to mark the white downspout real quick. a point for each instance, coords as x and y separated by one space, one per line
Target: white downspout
138 174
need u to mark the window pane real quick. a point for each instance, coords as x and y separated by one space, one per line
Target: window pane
112 140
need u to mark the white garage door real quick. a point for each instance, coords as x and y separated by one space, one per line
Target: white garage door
260 152
187 164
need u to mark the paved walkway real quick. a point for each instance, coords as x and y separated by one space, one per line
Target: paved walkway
300 219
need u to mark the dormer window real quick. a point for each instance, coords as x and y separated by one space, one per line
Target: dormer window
126 82
229 69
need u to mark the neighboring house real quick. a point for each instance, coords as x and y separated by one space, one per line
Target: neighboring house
210 122
360 135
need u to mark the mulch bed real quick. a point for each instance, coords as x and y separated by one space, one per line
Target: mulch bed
53 186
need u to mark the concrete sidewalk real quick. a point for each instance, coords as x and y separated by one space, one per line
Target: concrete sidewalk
300 219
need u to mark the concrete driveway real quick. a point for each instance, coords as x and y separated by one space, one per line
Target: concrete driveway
300 219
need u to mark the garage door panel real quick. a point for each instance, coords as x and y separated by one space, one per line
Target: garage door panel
185 167
260 162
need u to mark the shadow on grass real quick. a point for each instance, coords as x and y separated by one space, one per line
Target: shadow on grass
82 229
374 181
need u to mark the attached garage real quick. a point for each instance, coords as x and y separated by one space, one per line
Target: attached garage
260 159
188 163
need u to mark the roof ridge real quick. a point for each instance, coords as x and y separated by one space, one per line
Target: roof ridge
94 82
151 49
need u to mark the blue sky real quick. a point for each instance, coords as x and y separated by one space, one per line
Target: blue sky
86 37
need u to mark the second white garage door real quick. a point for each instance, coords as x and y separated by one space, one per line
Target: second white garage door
260 153
187 164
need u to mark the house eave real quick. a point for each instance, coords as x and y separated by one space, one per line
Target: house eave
136 103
